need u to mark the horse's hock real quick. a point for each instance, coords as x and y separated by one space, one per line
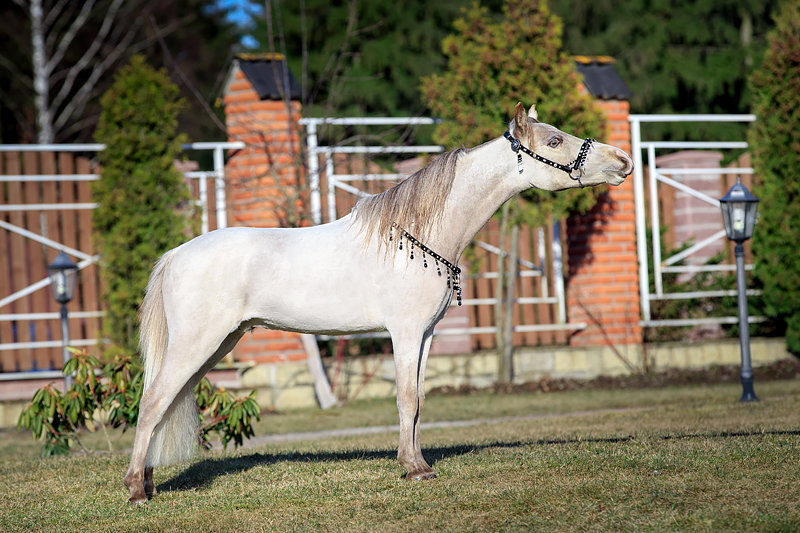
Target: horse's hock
264 178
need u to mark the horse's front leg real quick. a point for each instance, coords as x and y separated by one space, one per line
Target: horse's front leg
426 347
410 353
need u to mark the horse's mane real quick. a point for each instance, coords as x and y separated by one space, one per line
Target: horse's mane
413 205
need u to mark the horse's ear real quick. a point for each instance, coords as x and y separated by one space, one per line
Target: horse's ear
520 120
533 114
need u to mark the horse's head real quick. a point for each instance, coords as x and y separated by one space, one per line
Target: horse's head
566 161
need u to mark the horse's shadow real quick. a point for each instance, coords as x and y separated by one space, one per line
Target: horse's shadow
204 472
201 474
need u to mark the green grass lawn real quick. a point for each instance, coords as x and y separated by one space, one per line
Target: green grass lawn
675 459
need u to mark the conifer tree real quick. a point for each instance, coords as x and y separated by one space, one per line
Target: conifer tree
492 63
775 143
495 62
140 194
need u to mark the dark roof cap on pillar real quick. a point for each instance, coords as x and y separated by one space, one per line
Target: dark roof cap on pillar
269 74
601 78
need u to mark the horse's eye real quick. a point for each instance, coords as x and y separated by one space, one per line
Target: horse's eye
555 142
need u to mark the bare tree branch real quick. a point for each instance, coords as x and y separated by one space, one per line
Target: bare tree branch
85 121
77 104
88 55
124 47
68 36
217 122
54 13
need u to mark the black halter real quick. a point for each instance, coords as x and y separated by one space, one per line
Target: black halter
570 169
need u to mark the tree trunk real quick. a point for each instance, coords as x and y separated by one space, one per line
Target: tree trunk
499 309
41 77
322 387
507 366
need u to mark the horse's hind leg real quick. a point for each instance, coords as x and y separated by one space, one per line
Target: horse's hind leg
154 404
174 383
171 382
410 353
139 477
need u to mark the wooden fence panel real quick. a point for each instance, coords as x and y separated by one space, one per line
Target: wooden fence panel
8 359
89 295
25 259
18 268
39 256
69 229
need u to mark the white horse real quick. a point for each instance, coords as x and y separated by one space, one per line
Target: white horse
390 264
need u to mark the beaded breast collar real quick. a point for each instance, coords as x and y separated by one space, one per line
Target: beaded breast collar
453 272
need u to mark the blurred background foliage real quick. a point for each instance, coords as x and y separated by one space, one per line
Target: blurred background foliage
366 58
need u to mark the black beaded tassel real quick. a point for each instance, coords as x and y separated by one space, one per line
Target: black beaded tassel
457 284
453 272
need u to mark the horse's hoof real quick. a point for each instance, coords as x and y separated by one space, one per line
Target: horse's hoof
137 500
138 496
420 476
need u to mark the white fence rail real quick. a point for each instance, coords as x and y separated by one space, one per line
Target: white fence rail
217 174
344 182
648 171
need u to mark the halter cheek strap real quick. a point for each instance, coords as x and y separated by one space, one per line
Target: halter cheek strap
574 170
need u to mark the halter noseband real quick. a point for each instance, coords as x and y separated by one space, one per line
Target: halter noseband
577 165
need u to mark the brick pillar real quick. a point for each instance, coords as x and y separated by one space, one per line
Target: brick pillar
603 278
263 179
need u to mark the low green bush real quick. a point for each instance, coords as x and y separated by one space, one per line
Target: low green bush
109 394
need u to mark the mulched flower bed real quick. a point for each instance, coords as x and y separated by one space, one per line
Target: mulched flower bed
780 370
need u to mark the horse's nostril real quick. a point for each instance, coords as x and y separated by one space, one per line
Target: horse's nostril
626 161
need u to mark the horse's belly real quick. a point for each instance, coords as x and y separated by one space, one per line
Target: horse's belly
314 280
321 305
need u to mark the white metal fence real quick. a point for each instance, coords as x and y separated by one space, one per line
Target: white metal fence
647 176
85 258
321 161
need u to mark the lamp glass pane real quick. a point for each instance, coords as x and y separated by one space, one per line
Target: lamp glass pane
726 219
62 284
738 218
70 276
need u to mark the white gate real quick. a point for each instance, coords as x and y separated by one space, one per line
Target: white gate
45 196
648 174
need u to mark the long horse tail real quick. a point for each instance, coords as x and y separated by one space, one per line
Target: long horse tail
175 437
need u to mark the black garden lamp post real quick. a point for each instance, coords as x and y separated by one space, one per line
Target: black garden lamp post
62 272
739 216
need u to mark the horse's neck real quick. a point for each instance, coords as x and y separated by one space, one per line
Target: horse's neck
484 181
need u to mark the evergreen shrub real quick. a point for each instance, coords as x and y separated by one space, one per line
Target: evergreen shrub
495 62
142 199
774 140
